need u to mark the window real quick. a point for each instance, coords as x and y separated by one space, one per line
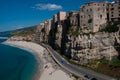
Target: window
107 9
90 9
90 21
84 24
89 16
104 10
111 15
98 9
112 8
87 10
84 16
88 4
100 16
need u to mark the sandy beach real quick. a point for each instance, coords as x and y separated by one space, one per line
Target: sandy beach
48 69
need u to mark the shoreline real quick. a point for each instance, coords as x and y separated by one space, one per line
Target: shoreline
39 66
46 68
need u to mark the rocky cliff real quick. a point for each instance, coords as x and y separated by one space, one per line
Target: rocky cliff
75 44
92 46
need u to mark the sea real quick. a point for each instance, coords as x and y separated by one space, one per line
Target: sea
16 63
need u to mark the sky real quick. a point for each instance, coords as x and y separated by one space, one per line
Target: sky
16 14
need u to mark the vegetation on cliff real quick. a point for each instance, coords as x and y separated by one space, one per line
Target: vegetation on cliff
25 31
74 31
111 28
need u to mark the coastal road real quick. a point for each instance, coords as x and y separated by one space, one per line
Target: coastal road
74 69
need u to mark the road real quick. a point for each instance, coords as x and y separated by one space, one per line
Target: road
74 69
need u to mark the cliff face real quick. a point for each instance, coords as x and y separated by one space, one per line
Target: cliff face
92 46
77 45
65 34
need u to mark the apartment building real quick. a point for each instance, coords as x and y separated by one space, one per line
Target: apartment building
93 16
113 11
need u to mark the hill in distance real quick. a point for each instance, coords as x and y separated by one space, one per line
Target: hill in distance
20 32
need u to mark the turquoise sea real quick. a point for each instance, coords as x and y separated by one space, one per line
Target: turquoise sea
16 64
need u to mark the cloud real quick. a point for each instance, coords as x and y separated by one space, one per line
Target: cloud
47 7
113 2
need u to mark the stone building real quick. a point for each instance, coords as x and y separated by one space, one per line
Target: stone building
93 16
42 31
47 27
73 18
55 18
39 34
113 11
61 17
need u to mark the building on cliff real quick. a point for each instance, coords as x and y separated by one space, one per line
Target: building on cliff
93 16
61 17
42 31
113 11
63 32
47 27
73 18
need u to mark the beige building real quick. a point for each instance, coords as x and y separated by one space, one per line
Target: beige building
47 25
46 29
93 16
73 18
55 18
39 34
113 11
61 16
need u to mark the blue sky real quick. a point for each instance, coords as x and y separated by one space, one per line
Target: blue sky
15 14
